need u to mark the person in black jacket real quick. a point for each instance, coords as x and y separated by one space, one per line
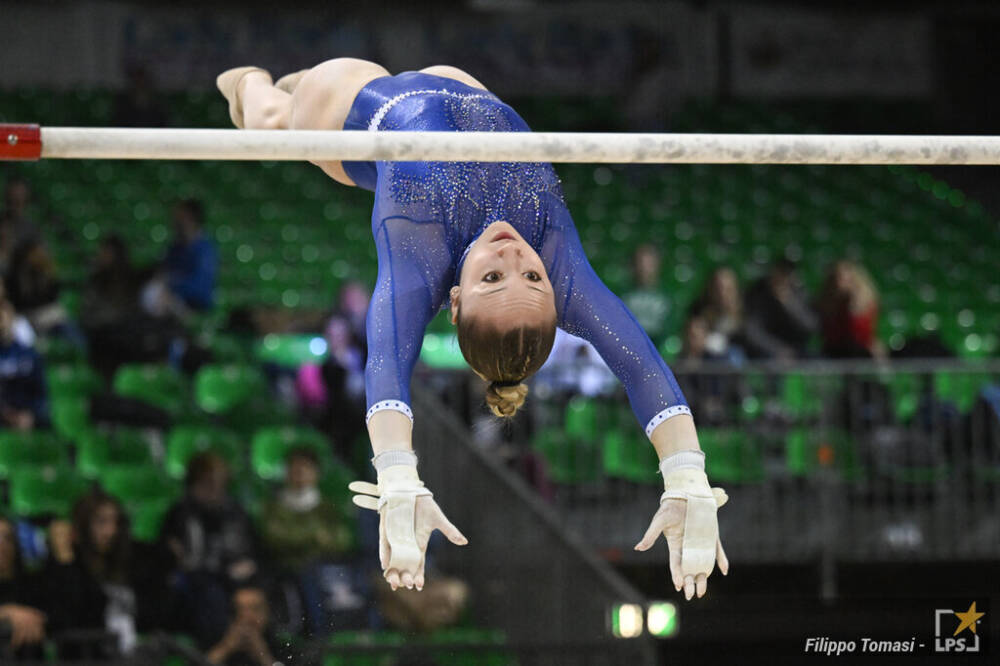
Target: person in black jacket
213 545
22 621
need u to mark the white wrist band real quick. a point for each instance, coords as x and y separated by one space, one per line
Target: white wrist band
683 459
394 457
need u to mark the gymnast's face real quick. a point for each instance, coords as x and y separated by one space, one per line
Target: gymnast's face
503 279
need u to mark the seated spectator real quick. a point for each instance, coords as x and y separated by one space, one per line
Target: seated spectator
438 605
16 217
711 395
23 332
300 526
23 395
352 307
721 307
22 622
192 261
647 300
139 105
93 575
779 320
312 543
343 375
117 329
249 640
213 545
33 289
848 308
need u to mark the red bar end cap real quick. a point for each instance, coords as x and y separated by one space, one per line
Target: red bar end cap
20 142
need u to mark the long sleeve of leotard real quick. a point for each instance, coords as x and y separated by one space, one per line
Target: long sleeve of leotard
414 272
586 308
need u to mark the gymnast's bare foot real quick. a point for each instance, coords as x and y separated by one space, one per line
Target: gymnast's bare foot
229 85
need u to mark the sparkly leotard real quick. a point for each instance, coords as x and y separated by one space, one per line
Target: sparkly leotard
427 214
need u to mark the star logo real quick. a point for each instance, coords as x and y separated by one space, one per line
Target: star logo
969 619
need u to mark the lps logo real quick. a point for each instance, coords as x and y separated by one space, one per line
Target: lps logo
947 640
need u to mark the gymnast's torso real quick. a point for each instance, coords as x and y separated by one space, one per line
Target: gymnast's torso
426 215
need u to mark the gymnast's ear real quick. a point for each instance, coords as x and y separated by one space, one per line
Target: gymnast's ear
453 295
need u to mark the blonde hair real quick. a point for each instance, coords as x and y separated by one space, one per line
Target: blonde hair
504 358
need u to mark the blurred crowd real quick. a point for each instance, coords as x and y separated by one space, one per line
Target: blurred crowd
240 585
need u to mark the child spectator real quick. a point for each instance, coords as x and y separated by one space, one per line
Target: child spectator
192 261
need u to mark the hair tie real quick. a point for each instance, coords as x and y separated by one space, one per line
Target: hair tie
514 382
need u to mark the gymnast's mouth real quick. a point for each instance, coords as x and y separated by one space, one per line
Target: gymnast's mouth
503 235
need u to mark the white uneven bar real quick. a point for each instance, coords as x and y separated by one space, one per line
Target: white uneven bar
314 145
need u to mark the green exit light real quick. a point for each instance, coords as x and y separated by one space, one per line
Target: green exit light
661 619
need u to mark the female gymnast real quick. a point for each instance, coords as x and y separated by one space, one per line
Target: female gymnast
496 243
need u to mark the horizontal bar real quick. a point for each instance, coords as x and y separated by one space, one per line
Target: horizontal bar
19 142
319 145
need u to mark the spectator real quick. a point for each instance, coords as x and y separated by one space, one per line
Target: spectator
300 527
711 395
23 396
248 641
117 328
92 572
16 218
22 623
33 289
779 320
138 105
212 541
23 332
353 308
343 374
848 308
647 301
721 307
310 539
190 267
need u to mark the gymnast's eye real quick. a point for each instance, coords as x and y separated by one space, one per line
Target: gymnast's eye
492 276
533 276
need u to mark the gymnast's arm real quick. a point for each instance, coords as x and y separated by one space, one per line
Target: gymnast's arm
588 309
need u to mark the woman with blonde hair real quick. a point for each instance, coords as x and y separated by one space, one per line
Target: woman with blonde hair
495 243
848 307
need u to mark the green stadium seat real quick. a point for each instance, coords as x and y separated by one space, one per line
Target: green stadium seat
270 446
582 418
185 441
807 450
138 484
570 460
70 415
291 350
488 652
391 640
959 388
44 491
158 385
73 379
96 450
219 388
731 456
147 518
29 449
626 454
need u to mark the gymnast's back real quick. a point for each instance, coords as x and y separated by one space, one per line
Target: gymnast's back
426 214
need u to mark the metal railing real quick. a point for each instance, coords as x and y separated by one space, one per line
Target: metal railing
853 461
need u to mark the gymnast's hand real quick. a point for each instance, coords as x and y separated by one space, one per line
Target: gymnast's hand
687 518
408 515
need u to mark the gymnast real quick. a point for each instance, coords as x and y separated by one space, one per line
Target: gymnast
495 243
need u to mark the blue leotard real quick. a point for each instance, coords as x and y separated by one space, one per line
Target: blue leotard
427 214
